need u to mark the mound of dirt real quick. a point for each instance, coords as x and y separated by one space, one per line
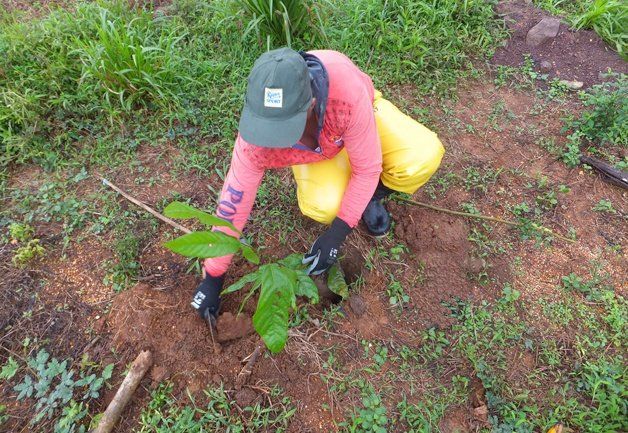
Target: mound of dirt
181 342
572 55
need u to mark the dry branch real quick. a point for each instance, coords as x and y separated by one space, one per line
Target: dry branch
609 173
483 217
145 207
130 383
244 374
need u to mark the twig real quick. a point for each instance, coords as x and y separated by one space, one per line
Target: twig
130 383
484 217
145 207
248 368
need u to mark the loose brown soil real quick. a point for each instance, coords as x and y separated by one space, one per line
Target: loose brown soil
574 55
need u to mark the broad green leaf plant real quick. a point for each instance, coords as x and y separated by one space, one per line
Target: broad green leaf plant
278 284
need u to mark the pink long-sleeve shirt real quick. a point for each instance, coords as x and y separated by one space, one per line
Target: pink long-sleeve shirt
349 123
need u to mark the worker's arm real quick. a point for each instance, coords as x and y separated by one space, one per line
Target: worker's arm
365 155
236 200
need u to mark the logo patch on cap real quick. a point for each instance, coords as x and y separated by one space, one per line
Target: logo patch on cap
273 97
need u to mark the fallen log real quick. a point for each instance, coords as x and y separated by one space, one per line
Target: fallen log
609 173
130 383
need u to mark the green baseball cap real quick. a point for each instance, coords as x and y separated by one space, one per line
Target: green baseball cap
278 96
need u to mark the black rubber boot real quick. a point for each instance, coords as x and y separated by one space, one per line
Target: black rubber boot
376 218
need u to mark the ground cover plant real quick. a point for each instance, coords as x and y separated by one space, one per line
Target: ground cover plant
448 324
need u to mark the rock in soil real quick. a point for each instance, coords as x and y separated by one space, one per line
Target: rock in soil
572 85
545 66
357 304
245 397
230 327
545 30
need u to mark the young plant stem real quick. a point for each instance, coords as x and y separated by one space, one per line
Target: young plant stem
145 207
480 216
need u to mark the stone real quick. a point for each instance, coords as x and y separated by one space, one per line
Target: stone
572 85
357 304
544 31
545 66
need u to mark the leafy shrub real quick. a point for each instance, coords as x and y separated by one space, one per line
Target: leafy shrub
604 123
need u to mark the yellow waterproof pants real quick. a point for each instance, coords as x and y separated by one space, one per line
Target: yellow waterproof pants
411 154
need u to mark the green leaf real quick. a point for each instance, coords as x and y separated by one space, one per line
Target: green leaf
204 244
306 287
180 210
107 372
336 281
293 261
276 298
248 278
250 254
9 369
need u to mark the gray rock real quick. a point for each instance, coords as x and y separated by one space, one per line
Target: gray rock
545 66
544 31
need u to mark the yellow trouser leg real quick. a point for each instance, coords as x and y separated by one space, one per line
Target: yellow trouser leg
411 154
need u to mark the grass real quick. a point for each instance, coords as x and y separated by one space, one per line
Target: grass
108 72
219 413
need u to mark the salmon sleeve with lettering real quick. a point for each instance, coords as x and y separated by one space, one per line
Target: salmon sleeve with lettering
235 201
365 156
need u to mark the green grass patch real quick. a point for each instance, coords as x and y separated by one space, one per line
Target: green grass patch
218 413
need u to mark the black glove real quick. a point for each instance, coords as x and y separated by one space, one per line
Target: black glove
207 298
325 250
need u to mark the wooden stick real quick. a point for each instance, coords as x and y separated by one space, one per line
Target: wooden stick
145 207
484 217
130 383
248 368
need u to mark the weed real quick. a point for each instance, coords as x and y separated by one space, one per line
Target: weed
27 252
371 418
606 17
440 183
479 180
397 297
399 38
604 206
55 386
278 23
165 414
602 126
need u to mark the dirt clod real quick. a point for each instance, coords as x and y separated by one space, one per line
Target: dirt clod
357 304
232 327
455 421
245 397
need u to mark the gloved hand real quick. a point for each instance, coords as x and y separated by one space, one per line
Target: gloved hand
206 299
326 248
